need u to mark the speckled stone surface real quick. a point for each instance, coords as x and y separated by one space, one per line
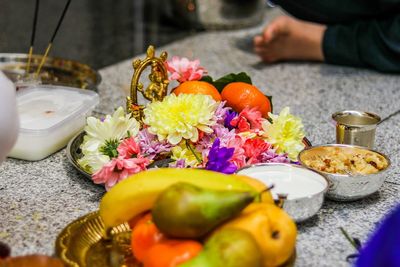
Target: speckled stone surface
37 199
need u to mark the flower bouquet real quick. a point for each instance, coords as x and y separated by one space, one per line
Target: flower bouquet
220 125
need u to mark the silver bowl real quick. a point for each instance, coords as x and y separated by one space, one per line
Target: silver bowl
351 185
302 188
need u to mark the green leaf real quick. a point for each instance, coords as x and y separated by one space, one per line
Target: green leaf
227 79
232 77
355 244
110 148
270 101
207 78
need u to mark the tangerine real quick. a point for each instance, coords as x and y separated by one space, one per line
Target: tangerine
239 95
197 87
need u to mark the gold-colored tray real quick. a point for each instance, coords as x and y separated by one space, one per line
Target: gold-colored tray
81 244
56 71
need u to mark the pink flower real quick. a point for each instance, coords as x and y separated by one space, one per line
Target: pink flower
238 158
248 119
271 156
180 163
253 149
128 148
241 124
224 134
128 162
118 169
220 113
182 69
151 146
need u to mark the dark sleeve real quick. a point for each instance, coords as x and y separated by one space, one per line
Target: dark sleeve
370 43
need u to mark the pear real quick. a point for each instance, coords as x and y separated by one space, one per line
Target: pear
187 211
228 247
138 193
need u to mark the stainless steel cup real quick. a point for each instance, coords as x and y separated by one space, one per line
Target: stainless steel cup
356 127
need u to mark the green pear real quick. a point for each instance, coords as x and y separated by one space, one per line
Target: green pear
229 247
186 211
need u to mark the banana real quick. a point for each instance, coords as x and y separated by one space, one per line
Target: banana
138 192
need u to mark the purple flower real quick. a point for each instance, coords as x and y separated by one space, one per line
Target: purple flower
382 249
180 163
221 112
204 144
230 115
151 146
271 156
218 159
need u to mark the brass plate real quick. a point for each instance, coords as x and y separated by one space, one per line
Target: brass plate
56 71
81 244
74 152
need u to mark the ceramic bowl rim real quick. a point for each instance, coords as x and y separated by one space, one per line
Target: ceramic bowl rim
291 165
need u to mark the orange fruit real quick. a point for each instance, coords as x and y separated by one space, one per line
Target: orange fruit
239 95
198 87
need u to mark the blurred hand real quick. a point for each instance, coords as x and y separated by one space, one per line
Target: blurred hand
286 38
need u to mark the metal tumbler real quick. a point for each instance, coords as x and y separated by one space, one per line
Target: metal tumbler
356 127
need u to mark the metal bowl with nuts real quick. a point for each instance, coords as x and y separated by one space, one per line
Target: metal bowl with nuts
353 172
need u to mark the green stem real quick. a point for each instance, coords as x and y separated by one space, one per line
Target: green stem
348 238
194 153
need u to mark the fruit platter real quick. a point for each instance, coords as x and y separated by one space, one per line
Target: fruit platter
182 217
169 167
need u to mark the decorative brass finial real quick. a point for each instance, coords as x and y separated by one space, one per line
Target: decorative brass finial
156 90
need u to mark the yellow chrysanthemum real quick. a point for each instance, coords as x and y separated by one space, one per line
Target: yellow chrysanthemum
285 133
180 117
181 151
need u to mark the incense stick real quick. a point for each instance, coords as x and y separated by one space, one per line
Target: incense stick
53 37
32 36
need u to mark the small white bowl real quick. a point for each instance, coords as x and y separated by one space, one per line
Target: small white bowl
304 188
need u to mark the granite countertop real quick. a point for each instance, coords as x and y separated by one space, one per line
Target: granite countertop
38 199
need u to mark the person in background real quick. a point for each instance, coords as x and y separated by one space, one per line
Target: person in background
358 33
9 123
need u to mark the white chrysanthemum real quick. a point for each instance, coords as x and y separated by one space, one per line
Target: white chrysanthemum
180 117
99 132
93 162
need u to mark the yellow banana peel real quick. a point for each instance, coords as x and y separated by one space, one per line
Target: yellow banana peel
138 192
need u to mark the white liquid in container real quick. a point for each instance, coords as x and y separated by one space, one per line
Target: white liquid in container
294 181
49 117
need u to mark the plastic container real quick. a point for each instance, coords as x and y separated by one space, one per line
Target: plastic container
49 117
